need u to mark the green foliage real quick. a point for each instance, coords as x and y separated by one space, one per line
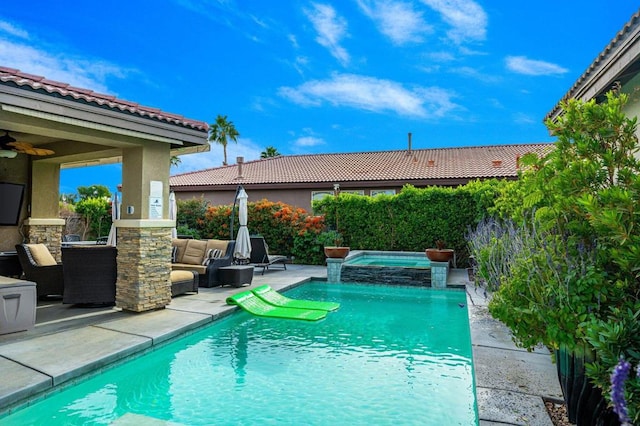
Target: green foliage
68 198
269 152
97 215
93 191
615 336
412 220
577 283
221 132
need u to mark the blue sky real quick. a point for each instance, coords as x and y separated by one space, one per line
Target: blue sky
319 76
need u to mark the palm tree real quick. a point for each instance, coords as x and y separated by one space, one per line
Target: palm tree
269 152
221 132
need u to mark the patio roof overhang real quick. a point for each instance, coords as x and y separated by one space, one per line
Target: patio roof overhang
82 133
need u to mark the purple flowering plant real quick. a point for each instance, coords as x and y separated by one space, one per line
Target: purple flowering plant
619 378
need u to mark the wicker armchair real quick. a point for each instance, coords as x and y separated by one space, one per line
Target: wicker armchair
40 267
90 274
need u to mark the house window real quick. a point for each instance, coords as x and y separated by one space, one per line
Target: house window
352 191
375 192
319 195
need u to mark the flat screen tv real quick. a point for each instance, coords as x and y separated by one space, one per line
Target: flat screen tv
10 203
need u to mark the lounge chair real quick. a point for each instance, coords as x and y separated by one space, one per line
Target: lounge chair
260 255
40 267
90 274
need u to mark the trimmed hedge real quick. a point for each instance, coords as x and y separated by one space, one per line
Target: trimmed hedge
412 220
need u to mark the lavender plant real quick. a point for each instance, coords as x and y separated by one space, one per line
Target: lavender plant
619 377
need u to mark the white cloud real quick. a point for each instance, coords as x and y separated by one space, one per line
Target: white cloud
524 65
468 19
331 30
397 20
372 94
474 73
307 141
9 28
522 118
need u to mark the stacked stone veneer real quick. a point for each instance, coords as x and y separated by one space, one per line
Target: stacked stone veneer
49 235
386 275
144 267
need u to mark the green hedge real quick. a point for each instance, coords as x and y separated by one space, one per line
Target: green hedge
412 220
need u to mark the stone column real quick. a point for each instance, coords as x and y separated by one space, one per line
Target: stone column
334 269
144 264
439 274
47 232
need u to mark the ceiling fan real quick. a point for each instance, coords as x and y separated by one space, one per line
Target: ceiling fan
10 148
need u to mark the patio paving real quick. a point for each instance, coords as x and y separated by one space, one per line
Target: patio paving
68 343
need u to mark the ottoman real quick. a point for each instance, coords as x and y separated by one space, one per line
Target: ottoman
17 305
183 282
235 275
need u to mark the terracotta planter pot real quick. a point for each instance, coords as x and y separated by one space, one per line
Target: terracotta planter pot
336 252
439 255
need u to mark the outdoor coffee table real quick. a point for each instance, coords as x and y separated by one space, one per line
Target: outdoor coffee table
235 275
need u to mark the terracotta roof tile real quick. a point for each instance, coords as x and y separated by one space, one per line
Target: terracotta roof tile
376 166
12 76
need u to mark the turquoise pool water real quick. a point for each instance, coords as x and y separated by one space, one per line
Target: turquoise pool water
390 355
390 260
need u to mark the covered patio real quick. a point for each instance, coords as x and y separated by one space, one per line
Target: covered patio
58 126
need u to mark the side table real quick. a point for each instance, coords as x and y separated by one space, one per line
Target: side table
235 275
10 264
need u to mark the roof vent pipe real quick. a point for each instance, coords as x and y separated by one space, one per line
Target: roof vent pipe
409 141
239 160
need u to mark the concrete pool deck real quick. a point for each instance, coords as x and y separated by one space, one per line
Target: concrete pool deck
69 343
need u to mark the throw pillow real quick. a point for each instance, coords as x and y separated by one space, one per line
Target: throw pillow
41 255
212 254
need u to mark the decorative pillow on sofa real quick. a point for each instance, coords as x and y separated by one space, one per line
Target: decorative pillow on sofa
212 254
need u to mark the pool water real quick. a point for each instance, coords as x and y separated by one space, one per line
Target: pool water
390 260
389 355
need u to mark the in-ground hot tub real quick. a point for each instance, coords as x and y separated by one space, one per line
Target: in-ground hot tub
387 267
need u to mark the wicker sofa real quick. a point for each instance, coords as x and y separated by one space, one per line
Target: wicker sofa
189 255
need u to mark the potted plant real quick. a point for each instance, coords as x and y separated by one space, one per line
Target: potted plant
337 250
440 253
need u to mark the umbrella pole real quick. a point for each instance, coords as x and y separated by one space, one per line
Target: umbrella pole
233 210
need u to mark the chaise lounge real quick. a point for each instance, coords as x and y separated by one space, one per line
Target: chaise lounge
260 256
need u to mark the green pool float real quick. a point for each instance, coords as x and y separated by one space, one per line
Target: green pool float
274 298
256 306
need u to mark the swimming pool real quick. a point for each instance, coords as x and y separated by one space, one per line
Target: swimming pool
394 268
388 356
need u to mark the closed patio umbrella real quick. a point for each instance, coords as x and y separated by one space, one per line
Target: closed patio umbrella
243 242
173 212
115 215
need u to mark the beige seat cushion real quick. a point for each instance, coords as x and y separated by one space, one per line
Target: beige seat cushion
181 245
41 255
177 276
194 253
201 269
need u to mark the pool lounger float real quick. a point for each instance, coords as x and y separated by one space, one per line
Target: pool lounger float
256 306
272 297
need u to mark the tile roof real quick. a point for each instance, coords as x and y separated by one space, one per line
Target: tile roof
419 165
11 76
614 56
